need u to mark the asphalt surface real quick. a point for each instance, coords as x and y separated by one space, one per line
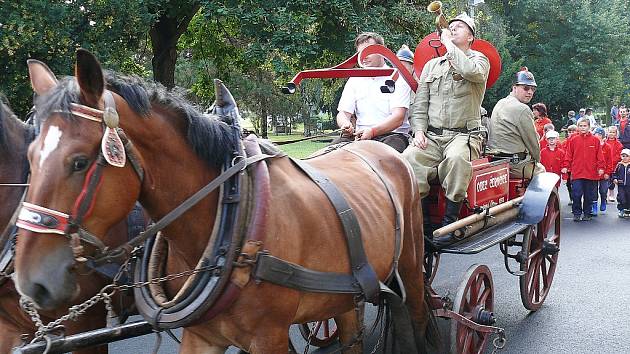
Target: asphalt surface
585 311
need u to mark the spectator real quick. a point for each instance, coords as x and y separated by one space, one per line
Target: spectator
543 141
571 119
581 114
552 156
603 182
591 118
621 177
571 131
615 149
540 118
614 114
624 129
380 116
585 160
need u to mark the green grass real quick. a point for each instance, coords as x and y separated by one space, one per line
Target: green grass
299 149
302 149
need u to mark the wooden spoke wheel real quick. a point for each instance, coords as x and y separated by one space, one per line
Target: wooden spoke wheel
431 263
324 333
475 301
541 245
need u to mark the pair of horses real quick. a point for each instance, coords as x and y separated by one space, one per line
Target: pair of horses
179 151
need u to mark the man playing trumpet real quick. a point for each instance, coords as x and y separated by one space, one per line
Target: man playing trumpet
446 119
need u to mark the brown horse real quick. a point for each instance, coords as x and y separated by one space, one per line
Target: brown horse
180 150
15 136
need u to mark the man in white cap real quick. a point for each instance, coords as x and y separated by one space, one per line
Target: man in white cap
379 115
512 131
446 120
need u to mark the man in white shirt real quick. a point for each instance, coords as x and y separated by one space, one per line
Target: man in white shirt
379 116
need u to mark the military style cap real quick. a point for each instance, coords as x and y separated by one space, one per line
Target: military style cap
525 77
465 19
405 54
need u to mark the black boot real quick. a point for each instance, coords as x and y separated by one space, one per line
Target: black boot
450 216
426 217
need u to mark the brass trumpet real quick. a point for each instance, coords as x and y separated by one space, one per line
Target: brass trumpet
435 7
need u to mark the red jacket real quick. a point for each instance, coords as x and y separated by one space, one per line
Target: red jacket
584 157
607 152
542 143
552 159
615 147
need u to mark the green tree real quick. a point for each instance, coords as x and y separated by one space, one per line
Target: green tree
51 31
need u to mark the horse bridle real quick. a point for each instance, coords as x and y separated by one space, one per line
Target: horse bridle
115 149
40 219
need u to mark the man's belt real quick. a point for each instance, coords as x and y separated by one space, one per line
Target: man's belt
440 131
516 156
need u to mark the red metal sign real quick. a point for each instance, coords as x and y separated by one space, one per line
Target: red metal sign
489 184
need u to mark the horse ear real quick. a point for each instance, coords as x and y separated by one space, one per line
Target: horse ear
90 77
42 78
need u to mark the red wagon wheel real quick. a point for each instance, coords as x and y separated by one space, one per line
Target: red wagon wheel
475 301
541 245
324 333
431 263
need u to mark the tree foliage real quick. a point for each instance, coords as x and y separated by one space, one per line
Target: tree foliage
575 48
51 31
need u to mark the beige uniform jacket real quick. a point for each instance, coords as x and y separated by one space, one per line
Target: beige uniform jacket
450 91
512 130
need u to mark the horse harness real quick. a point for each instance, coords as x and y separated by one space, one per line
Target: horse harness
229 261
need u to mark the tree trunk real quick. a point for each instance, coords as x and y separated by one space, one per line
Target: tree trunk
165 33
263 117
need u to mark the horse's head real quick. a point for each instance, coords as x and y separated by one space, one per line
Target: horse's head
14 139
82 180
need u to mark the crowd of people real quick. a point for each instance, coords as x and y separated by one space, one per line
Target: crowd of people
440 129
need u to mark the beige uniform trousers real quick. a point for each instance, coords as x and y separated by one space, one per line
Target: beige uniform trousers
526 168
447 158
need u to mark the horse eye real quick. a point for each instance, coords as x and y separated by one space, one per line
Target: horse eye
79 164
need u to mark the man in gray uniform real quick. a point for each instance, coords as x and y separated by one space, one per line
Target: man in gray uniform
512 130
446 119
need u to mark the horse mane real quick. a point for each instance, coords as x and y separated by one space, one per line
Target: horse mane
211 139
7 117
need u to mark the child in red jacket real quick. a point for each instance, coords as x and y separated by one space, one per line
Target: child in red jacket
552 157
571 131
585 160
615 147
604 181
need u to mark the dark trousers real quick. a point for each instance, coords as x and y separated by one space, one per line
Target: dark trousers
396 140
569 187
584 192
603 191
623 197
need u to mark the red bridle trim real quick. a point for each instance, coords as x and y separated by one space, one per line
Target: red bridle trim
85 190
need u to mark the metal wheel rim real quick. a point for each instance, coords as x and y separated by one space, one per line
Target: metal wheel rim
327 332
539 267
475 289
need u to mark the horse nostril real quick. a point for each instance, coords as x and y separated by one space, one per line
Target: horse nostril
40 294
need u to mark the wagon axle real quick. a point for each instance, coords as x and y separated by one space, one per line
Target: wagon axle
549 248
484 317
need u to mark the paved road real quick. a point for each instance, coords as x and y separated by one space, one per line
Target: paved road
585 311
